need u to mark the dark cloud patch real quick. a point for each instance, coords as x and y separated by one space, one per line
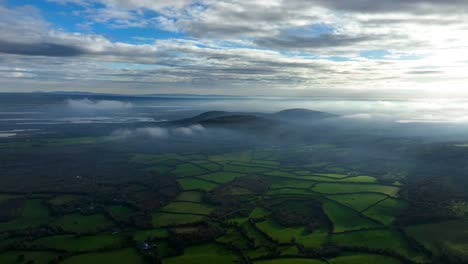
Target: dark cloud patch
40 49
424 72
288 41
385 6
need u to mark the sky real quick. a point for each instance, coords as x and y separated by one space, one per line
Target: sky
361 48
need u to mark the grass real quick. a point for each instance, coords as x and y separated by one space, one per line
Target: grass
278 173
238 220
233 237
289 251
290 261
203 254
82 243
5 197
260 252
268 163
244 156
64 199
38 257
156 233
209 165
378 239
278 183
346 219
196 184
121 211
289 191
358 201
186 207
188 170
244 169
190 196
221 177
168 219
337 188
82 223
363 258
362 179
286 234
451 236
34 213
332 175
387 210
259 212
123 256
255 235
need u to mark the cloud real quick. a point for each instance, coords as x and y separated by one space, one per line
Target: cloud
190 130
152 132
39 49
158 132
290 41
86 104
275 47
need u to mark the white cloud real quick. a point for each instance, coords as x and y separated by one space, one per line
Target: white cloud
86 104
158 132
190 130
246 47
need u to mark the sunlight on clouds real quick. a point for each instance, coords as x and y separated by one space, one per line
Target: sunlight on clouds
362 48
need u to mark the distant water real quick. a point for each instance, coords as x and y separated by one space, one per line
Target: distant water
23 112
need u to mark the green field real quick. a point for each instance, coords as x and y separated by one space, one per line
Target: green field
188 170
448 236
363 259
244 169
196 184
79 243
64 199
190 196
378 239
337 188
167 219
221 177
123 256
233 237
251 232
4 197
386 211
259 212
278 183
121 211
247 206
211 166
290 191
291 261
82 223
358 201
204 254
156 233
346 219
332 175
33 214
37 257
189 208
284 234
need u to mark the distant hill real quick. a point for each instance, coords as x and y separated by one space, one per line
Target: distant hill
239 121
200 118
300 114
252 121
